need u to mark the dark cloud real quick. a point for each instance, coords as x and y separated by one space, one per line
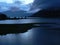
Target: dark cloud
38 4
45 3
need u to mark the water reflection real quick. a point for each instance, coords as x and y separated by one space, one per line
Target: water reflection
23 38
35 36
20 21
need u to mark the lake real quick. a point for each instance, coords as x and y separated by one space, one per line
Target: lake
47 34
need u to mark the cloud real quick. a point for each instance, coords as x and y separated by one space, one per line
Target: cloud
33 11
26 1
7 1
24 5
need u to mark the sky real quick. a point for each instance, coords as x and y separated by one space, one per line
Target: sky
11 7
18 4
23 1
17 7
26 5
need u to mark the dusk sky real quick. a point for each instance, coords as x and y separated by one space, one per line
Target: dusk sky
47 34
27 7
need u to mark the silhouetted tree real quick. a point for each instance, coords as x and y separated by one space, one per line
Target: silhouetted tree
2 16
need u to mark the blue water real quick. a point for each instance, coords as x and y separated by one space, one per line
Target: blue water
44 35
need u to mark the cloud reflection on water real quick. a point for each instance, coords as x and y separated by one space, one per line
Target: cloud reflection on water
22 38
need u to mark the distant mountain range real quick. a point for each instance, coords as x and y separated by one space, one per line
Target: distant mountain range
9 13
17 13
49 13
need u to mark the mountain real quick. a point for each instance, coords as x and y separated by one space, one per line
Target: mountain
49 12
17 13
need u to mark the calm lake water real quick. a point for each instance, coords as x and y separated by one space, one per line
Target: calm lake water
47 34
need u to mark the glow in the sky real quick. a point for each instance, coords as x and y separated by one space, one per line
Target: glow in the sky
19 4
7 1
22 1
27 1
